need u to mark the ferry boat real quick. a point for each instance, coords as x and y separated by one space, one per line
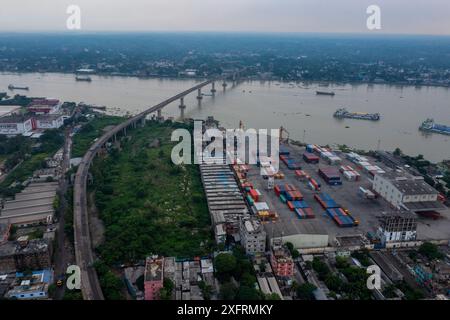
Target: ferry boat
343 113
13 87
325 93
430 126
83 78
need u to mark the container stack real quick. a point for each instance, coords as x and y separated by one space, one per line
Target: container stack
310 158
326 201
330 175
341 218
349 173
313 184
291 163
301 208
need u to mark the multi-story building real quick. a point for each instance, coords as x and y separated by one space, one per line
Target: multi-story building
25 254
281 260
153 277
5 229
15 125
397 228
29 287
406 192
44 106
49 121
253 236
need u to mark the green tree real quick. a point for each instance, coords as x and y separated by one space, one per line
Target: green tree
228 291
224 264
431 251
305 291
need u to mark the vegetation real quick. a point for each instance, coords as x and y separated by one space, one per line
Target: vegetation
20 151
148 204
90 131
236 266
431 251
294 252
306 291
165 292
112 285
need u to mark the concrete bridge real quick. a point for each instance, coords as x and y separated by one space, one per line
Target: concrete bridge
90 285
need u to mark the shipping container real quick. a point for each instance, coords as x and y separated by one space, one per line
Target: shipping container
310 158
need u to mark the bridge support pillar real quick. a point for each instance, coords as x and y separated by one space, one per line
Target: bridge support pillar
199 94
159 115
224 85
143 121
182 106
213 88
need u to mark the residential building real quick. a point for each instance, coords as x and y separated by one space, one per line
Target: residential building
153 277
25 254
281 260
34 286
253 236
406 192
397 228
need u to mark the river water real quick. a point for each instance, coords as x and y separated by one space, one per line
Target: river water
272 104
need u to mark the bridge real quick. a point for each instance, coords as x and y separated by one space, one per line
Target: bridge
90 285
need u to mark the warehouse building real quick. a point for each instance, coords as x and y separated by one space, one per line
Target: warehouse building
406 192
31 206
15 125
225 200
253 236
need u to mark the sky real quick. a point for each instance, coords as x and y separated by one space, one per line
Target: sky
341 16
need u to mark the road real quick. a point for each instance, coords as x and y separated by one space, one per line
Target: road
61 258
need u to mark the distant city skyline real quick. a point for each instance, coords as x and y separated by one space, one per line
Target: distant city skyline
322 16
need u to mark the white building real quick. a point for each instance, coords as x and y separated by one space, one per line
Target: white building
14 125
253 236
404 191
50 121
397 229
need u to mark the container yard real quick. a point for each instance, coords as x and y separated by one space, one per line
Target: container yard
308 201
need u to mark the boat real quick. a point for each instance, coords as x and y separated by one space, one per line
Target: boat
325 93
430 126
13 87
344 113
83 78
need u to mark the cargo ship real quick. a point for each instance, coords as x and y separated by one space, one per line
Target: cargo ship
343 113
83 78
325 93
430 126
13 87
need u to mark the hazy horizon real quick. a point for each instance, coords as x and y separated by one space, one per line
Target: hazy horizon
401 17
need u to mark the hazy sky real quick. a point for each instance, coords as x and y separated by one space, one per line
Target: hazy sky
397 16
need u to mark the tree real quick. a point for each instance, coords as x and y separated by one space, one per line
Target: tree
228 291
431 251
248 293
272 296
333 282
397 152
305 291
225 264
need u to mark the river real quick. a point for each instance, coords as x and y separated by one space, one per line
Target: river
272 104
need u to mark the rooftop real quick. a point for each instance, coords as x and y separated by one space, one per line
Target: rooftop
154 269
409 184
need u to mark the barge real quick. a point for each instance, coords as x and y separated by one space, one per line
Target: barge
343 113
430 126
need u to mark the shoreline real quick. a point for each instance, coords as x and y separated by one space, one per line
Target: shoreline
181 78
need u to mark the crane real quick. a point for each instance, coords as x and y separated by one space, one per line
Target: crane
282 129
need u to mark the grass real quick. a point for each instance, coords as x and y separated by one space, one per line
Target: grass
148 204
90 131
25 170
